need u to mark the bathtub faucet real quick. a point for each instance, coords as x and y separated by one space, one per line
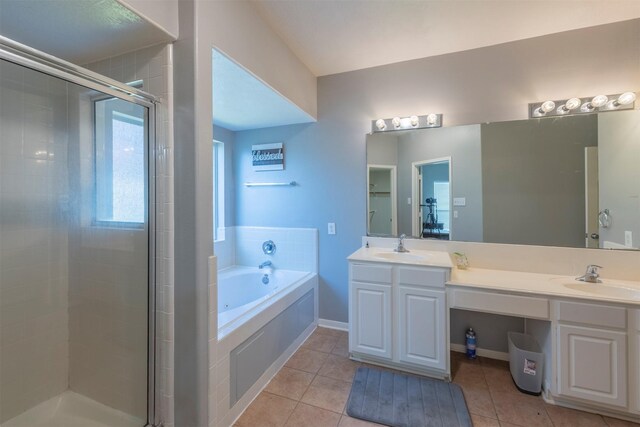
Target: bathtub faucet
265 264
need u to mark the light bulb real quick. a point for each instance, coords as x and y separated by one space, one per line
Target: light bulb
598 101
396 122
625 99
380 124
414 121
432 119
544 108
547 106
572 103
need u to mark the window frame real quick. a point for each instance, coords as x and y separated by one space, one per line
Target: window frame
95 222
219 234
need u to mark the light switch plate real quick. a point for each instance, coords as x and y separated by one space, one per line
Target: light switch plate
331 228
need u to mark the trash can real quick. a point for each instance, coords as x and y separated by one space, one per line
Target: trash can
526 362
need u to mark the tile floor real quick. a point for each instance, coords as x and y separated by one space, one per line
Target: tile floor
311 390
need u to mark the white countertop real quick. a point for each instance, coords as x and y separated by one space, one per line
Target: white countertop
618 291
540 284
413 257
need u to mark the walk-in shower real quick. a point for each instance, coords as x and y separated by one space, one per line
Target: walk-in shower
76 246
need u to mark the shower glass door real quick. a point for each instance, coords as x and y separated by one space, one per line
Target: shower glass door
75 254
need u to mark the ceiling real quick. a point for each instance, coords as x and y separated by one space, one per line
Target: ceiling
79 31
241 101
334 36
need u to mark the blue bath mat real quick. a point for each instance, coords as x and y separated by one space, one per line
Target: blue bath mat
400 400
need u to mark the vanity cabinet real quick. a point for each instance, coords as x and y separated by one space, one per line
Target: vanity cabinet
398 316
592 353
635 351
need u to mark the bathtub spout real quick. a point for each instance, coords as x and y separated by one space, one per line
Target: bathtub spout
265 264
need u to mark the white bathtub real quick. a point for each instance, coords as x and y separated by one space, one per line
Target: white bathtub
241 291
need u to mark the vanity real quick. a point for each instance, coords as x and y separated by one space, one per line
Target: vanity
399 308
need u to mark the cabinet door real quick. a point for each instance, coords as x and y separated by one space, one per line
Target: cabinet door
371 319
593 364
422 327
637 362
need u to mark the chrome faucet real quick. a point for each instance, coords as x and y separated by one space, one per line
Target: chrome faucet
591 275
401 247
265 264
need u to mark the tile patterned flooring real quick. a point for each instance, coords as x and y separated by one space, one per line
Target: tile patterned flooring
312 389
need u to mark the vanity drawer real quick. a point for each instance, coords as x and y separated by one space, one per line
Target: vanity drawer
592 314
371 273
493 302
422 277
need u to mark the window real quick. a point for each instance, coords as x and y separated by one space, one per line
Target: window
120 161
218 191
441 194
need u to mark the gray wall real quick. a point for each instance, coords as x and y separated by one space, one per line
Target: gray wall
382 149
495 83
619 172
462 144
533 176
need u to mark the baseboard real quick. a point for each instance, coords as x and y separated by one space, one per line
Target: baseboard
333 324
482 352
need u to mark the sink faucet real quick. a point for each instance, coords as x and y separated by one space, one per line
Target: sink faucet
265 264
401 247
591 275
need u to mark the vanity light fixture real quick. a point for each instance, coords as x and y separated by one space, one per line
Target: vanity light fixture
404 123
571 106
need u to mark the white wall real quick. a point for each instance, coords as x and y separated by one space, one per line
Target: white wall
161 13
236 29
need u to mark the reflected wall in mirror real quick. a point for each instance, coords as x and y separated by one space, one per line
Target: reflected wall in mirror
570 181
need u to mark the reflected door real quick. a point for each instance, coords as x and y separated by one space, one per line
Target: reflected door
592 234
381 199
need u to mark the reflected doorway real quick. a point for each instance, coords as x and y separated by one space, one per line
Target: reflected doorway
381 200
432 199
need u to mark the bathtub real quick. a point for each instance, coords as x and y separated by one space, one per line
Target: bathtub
242 291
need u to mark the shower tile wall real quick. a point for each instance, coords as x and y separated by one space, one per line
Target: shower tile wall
153 66
33 239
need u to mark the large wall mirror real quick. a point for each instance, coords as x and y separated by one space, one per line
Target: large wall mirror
572 181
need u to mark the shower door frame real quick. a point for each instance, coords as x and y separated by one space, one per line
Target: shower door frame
28 57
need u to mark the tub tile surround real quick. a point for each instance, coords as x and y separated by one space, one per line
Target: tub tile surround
154 67
303 394
296 248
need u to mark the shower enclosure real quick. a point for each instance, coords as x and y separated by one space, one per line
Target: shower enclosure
76 246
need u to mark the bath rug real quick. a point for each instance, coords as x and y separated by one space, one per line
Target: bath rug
401 400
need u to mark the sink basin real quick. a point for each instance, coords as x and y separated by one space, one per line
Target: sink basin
605 289
400 256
